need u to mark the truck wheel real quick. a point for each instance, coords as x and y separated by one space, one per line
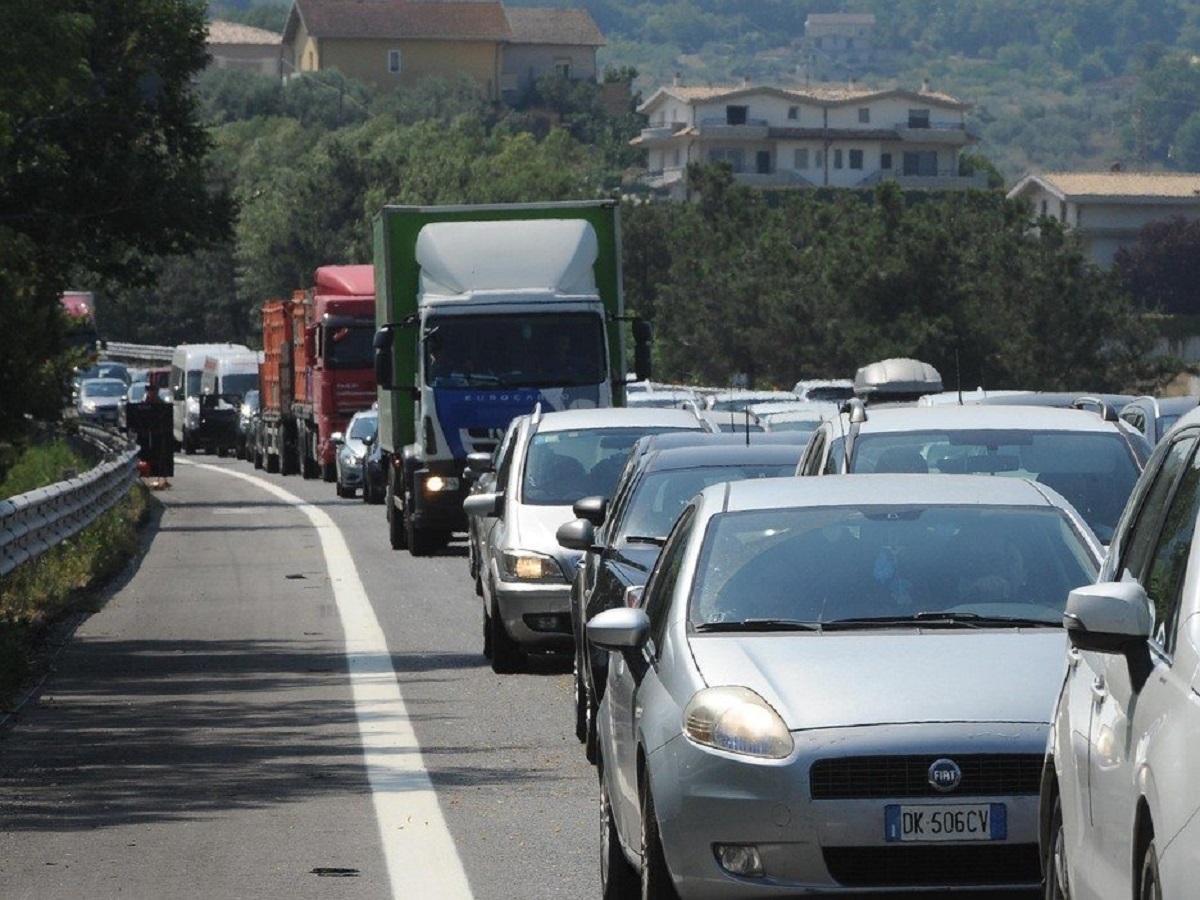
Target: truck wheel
329 472
272 463
257 456
396 532
189 444
507 657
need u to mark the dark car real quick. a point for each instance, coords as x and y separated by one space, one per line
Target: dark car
374 485
621 538
247 412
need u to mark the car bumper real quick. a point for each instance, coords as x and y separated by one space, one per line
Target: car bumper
536 616
705 798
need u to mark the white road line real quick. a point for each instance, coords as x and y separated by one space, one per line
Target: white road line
421 857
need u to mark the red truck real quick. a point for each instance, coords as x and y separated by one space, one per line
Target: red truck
317 370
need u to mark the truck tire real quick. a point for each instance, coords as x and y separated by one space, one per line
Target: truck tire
396 533
189 443
421 541
272 463
329 472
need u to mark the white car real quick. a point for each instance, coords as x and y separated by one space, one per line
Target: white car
352 446
1120 802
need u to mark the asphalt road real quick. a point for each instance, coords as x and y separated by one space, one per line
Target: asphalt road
227 725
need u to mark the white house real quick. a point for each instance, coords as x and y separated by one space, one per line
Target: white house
1109 209
234 46
818 137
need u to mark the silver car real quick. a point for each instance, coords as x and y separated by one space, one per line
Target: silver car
838 685
352 446
100 400
556 458
1121 802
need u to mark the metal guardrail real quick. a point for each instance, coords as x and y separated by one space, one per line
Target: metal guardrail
32 523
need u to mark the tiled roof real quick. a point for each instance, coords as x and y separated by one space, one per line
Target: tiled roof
1122 184
572 27
827 96
840 19
233 33
404 19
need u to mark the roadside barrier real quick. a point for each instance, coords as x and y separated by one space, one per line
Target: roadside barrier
32 523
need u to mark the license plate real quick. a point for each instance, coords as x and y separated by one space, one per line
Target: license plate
928 823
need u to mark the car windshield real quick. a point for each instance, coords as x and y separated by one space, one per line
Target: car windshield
960 564
562 466
239 383
660 497
363 427
1095 470
106 388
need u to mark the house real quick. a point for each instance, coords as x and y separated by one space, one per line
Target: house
234 46
396 43
544 42
839 32
1109 209
815 137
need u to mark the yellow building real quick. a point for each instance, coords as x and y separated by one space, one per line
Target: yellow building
395 43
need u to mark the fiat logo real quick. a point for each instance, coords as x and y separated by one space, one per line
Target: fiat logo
945 775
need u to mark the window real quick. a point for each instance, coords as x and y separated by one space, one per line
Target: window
1135 547
734 157
1044 207
885 161
921 162
661 584
818 159
856 159
736 115
1062 210
393 62
801 159
918 118
675 158
793 113
864 115
837 159
762 162
562 68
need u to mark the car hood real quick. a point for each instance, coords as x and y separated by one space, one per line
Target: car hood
845 680
632 564
535 530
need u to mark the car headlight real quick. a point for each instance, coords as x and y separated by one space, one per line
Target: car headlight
524 565
435 484
737 720
89 406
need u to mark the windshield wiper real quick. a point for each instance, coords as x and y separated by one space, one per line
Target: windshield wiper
933 617
645 539
758 625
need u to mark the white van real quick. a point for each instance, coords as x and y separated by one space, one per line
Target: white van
230 374
187 370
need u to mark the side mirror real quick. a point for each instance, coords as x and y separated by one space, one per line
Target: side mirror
642 337
578 534
1109 617
593 509
619 629
486 506
368 440
479 462
337 439
382 344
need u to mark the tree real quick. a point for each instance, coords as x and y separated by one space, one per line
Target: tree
1162 270
102 166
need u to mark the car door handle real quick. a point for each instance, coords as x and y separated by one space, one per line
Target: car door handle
1099 689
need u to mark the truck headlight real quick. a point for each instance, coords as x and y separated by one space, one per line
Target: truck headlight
436 484
737 720
524 565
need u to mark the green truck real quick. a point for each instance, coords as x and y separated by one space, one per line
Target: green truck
484 312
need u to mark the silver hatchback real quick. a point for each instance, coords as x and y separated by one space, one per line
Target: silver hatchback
836 685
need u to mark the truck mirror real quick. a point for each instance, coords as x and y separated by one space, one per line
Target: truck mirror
642 336
383 357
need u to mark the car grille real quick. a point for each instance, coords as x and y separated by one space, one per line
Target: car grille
875 777
941 866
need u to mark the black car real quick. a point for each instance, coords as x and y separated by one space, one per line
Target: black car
621 538
247 413
374 485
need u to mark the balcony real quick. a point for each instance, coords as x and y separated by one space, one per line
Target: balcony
660 132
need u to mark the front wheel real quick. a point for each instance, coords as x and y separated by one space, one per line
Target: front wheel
507 656
656 878
395 518
1054 868
618 879
1150 883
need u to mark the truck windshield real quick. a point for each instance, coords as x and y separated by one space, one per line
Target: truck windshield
349 346
515 350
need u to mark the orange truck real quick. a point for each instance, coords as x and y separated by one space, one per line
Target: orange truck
317 370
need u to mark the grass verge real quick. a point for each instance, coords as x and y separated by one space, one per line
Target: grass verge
45 591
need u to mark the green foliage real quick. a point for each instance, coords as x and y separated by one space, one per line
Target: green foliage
102 167
1162 270
815 286
39 466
